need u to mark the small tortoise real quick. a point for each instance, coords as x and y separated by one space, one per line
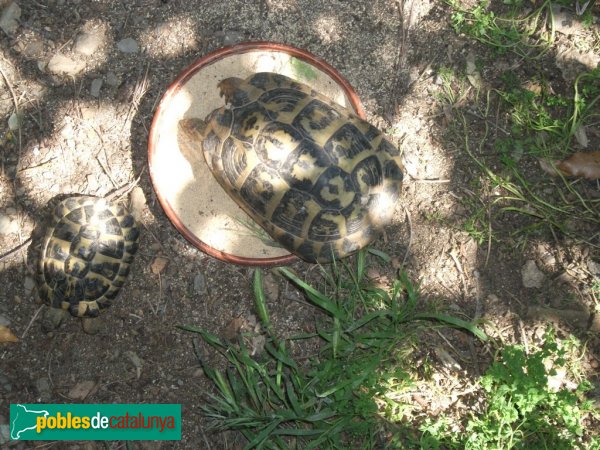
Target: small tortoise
85 256
320 180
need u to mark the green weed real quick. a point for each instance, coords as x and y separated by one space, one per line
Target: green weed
545 122
522 410
347 395
548 203
528 36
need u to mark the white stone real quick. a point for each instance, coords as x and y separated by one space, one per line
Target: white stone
88 43
532 276
4 224
63 65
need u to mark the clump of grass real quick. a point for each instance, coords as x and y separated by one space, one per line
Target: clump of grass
522 410
545 122
556 204
341 397
528 35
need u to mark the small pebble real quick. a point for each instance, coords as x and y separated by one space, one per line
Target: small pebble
159 265
42 386
5 383
28 285
95 89
128 45
112 79
4 321
531 275
200 283
81 390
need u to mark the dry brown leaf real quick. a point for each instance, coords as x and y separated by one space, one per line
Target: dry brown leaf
6 335
549 167
82 390
232 330
581 164
159 265
533 87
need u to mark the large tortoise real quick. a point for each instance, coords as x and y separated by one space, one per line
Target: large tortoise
85 256
320 180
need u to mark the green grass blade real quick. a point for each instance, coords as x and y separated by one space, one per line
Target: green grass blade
360 264
382 255
314 295
281 355
263 435
454 321
260 301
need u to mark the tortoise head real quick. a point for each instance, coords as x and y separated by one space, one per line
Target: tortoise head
190 135
192 129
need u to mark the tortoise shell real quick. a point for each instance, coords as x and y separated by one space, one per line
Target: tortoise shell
85 255
320 180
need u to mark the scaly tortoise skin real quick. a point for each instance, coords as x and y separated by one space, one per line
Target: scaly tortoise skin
320 180
85 255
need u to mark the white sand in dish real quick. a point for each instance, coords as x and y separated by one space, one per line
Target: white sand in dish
199 202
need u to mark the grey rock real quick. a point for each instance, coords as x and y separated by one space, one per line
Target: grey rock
95 89
28 285
9 20
531 275
42 386
63 65
4 321
88 42
200 284
112 79
5 383
128 45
